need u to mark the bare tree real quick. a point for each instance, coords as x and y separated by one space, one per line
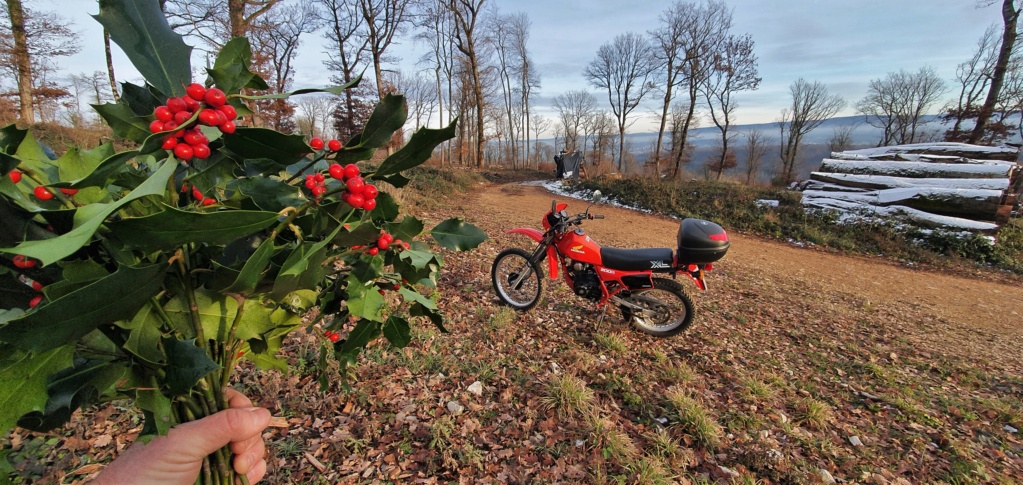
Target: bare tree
419 96
622 67
384 20
529 77
734 71
898 103
841 138
435 27
972 79
500 28
812 104
22 62
467 16
31 43
538 124
215 22
756 147
1010 16
681 149
685 45
313 113
276 37
574 107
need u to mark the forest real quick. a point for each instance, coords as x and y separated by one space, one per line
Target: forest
691 65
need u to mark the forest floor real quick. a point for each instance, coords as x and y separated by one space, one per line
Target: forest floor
802 366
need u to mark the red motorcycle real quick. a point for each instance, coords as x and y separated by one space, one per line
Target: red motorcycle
655 305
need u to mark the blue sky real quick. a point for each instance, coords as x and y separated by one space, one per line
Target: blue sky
841 43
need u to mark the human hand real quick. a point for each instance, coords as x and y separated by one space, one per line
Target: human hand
177 458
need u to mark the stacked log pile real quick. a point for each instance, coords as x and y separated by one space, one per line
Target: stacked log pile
937 185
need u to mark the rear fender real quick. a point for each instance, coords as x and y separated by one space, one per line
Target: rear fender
552 254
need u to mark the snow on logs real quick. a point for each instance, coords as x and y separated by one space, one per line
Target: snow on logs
938 185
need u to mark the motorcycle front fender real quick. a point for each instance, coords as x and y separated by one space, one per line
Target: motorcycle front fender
552 254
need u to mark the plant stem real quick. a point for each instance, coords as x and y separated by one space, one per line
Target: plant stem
193 305
306 167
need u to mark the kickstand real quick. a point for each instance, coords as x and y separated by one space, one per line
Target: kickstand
603 312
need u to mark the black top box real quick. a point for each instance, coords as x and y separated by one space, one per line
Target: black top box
701 241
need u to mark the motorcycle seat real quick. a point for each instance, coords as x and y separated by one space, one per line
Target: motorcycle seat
637 259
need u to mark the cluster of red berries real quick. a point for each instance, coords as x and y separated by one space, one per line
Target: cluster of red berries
316 183
40 192
332 336
24 262
384 242
357 193
318 144
187 139
198 196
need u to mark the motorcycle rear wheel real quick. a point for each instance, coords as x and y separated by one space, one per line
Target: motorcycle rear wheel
508 265
667 309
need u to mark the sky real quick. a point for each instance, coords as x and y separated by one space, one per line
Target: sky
844 44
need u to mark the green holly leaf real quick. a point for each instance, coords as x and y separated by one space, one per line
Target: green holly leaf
216 313
364 300
115 297
335 90
304 267
416 297
254 268
270 194
140 100
418 310
104 172
68 389
264 143
363 333
174 227
231 71
144 336
10 137
123 121
156 408
458 235
397 331
89 218
418 150
140 29
407 229
24 388
187 363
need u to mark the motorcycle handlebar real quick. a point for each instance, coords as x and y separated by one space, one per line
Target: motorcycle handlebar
596 216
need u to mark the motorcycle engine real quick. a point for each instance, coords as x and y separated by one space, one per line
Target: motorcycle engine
585 281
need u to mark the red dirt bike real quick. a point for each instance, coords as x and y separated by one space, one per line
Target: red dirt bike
654 305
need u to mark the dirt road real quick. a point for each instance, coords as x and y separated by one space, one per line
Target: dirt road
983 316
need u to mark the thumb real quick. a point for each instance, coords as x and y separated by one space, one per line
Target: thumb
204 436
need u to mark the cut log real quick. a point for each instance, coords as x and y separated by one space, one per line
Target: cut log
888 182
920 218
970 204
918 169
962 150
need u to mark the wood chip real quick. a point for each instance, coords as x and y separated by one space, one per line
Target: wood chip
320 467
279 422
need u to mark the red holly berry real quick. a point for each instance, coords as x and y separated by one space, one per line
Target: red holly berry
369 204
163 113
383 242
351 170
334 337
369 192
227 127
67 191
183 152
316 143
182 117
191 105
202 152
372 251
336 171
42 193
193 137
176 104
156 126
34 302
398 242
208 117
196 91
406 245
196 194
355 185
15 175
229 112
23 262
215 97
37 286
356 201
208 201
170 125
319 178
334 145
169 143
318 190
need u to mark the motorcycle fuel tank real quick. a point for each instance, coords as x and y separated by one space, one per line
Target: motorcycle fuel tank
579 247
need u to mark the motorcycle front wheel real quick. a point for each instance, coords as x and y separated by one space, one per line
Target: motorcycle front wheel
664 310
518 284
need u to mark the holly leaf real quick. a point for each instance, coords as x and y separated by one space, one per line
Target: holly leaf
140 100
24 388
304 267
252 272
231 69
10 137
418 150
89 218
68 389
173 227
407 229
263 143
157 410
187 363
144 336
364 300
216 313
270 194
114 297
417 310
336 90
363 333
397 331
458 235
140 29
125 123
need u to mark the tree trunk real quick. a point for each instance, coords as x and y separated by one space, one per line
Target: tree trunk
110 65
1009 17
236 16
917 169
21 58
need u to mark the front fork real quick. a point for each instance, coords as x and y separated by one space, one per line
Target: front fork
535 258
